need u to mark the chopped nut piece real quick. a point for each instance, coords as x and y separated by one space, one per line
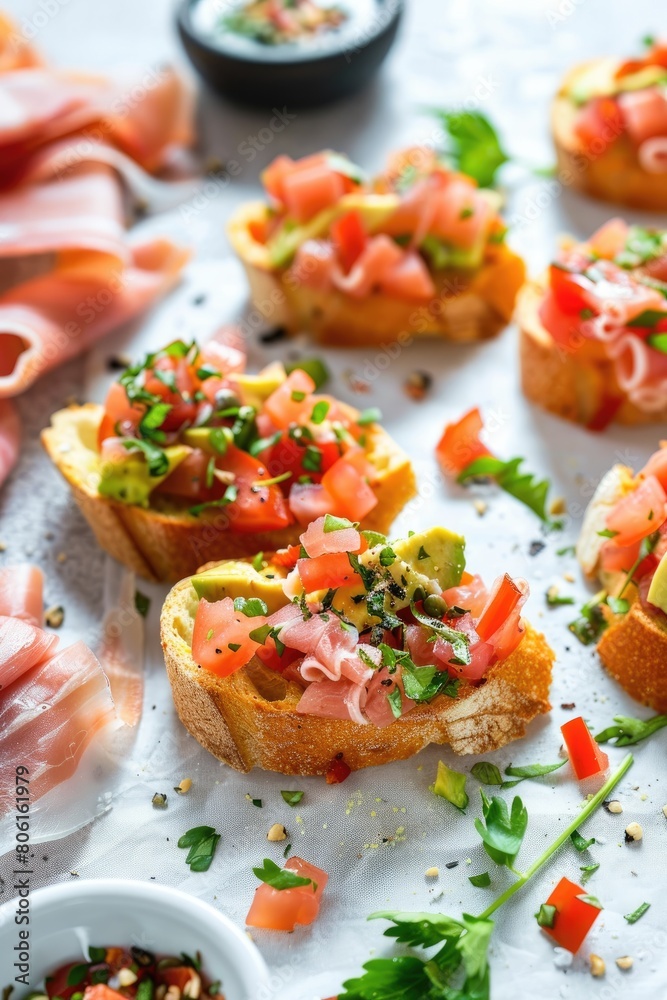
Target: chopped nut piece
277 832
598 968
54 616
633 832
664 811
159 800
3 546
417 384
184 787
432 872
126 977
173 993
62 557
625 962
569 577
558 506
480 506
613 807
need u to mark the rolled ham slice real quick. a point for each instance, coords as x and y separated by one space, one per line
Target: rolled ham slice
21 592
22 647
52 318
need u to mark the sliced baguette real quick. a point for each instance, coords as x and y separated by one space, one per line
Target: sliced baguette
164 542
470 305
249 719
613 174
574 385
634 651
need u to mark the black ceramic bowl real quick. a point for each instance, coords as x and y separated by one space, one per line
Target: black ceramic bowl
310 73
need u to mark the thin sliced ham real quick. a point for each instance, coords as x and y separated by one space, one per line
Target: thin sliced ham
52 318
21 593
22 647
329 699
48 717
378 707
10 438
378 257
331 650
81 212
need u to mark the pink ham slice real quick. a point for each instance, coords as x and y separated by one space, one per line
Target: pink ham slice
644 113
10 438
331 651
42 322
49 716
378 707
83 211
21 593
22 647
328 699
316 541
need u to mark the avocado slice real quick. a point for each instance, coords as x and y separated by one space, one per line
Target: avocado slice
436 553
440 568
657 594
374 210
241 579
600 80
130 480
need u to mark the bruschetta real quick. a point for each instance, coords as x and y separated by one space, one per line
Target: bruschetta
349 650
188 461
594 329
609 123
418 251
623 545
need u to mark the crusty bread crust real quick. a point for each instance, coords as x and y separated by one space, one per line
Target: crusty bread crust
470 305
168 543
574 385
634 651
612 174
250 720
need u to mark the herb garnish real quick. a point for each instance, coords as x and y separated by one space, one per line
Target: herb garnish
523 486
580 844
281 878
628 731
459 641
472 144
292 798
202 841
636 915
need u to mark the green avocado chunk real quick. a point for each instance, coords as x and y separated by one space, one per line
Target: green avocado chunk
241 579
657 594
600 80
433 560
131 482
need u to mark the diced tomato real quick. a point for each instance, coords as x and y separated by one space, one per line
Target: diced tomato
500 607
570 289
638 514
461 212
349 237
283 408
357 457
605 412
337 771
574 917
283 909
610 238
221 642
598 123
99 992
585 755
310 500
288 455
409 278
327 572
256 508
657 55
353 497
309 189
275 173
460 443
118 410
644 113
287 557
189 478
317 542
274 660
618 558
657 466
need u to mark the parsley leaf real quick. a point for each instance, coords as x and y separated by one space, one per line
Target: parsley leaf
629 731
459 640
156 459
487 773
292 798
580 844
280 878
473 145
523 486
202 841
502 832
229 496
251 607
480 881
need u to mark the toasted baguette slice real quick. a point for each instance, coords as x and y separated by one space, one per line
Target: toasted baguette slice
470 305
615 174
164 542
249 719
576 386
634 651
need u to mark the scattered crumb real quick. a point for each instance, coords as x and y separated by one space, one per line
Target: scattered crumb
61 557
184 786
276 833
624 962
536 547
598 968
569 577
3 546
54 616
480 506
432 872
558 506
614 806
159 800
417 384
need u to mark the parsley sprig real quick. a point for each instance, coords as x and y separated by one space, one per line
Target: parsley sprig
523 486
459 970
472 144
627 731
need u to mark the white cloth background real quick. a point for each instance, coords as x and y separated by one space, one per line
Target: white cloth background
508 56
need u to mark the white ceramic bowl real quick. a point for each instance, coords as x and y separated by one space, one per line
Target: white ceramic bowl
65 919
